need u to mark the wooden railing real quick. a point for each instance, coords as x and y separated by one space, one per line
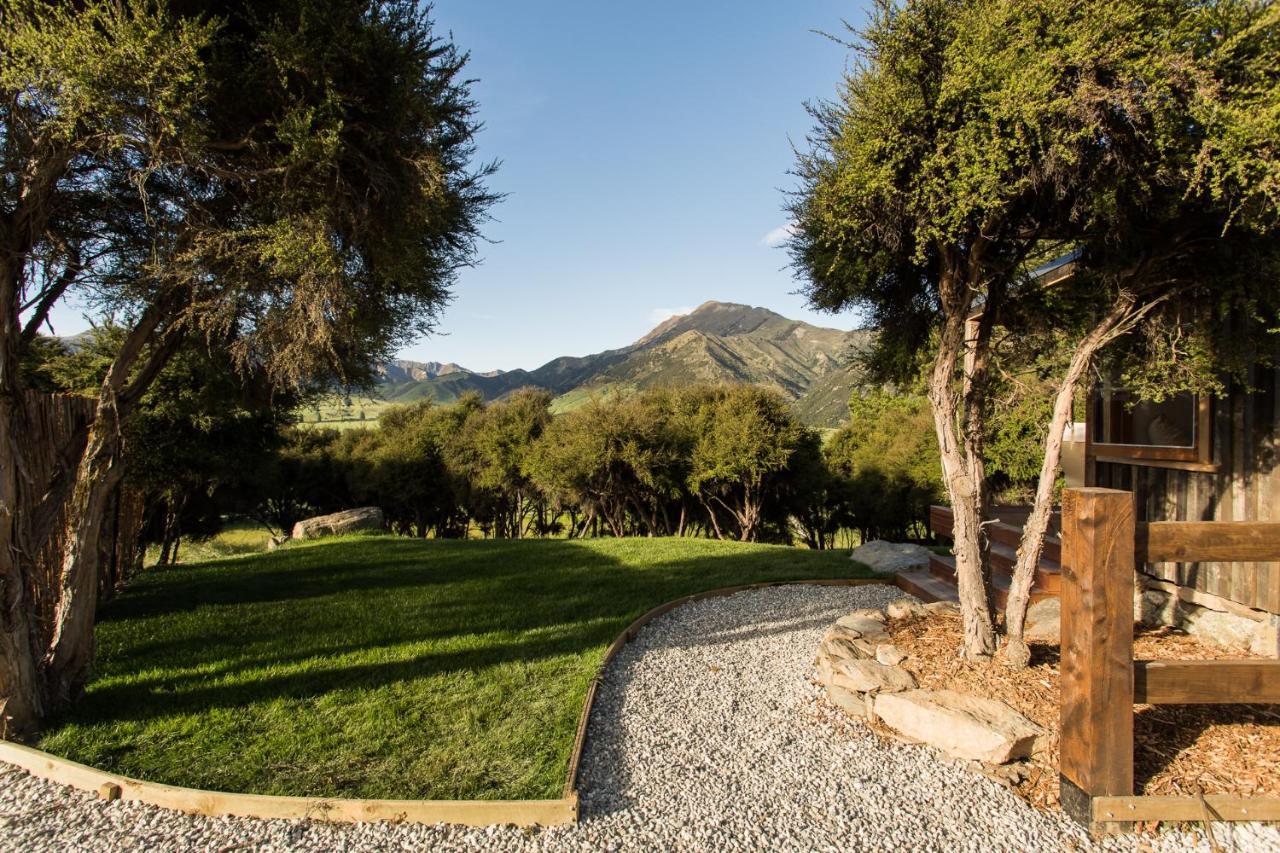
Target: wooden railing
1100 681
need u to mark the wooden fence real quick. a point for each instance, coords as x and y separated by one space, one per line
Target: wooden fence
1100 680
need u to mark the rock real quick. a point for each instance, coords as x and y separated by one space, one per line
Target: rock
866 676
1155 608
945 607
889 654
1266 638
347 521
905 608
1225 629
840 648
1043 610
1047 631
848 701
887 557
862 626
870 613
959 724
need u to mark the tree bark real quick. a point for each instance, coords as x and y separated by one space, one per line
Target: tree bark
1118 320
65 667
20 705
66 664
959 472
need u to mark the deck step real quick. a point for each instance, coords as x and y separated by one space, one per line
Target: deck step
941 522
926 587
1004 558
943 568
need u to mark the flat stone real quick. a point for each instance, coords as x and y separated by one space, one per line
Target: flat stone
865 676
840 648
839 632
889 654
888 557
862 626
848 701
905 608
959 724
870 613
338 523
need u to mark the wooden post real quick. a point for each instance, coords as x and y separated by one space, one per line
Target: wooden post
1097 648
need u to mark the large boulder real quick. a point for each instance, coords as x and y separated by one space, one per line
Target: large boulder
961 725
347 521
890 557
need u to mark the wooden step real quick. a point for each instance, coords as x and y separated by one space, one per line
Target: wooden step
925 586
943 568
1011 535
1004 559
941 522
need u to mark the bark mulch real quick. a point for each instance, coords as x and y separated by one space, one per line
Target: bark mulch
1178 749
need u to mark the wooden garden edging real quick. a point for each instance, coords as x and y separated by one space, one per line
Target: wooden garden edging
112 786
1100 680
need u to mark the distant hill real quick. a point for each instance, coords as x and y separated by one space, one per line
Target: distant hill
720 342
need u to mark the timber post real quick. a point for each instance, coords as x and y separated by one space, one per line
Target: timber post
1098 528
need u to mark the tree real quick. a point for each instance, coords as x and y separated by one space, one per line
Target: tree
974 140
747 440
295 181
886 461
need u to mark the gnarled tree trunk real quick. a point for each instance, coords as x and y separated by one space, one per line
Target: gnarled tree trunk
1118 321
66 664
962 465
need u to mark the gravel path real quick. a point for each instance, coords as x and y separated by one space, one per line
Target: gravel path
706 735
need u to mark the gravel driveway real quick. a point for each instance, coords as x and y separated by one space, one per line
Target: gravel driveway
706 735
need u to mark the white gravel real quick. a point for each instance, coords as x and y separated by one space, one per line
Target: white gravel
706 735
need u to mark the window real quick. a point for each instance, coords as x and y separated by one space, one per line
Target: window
1176 430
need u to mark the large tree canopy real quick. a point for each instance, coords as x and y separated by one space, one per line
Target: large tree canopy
973 140
292 181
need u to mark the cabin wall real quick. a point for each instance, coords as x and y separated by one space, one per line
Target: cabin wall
1244 487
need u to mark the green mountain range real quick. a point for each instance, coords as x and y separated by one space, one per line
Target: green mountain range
719 342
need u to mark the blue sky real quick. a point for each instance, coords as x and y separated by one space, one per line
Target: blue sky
644 149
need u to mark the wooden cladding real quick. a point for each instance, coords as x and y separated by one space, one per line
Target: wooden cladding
1240 484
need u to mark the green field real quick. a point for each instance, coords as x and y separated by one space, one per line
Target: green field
382 667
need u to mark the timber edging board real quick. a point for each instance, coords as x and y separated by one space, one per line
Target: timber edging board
113 786
218 803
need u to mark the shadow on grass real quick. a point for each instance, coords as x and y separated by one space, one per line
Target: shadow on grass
517 621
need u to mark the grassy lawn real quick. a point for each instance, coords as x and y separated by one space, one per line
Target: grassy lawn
382 667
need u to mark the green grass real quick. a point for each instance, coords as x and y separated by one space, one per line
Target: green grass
234 540
382 667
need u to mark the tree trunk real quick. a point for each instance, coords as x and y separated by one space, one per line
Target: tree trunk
20 700
965 494
1116 322
66 664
